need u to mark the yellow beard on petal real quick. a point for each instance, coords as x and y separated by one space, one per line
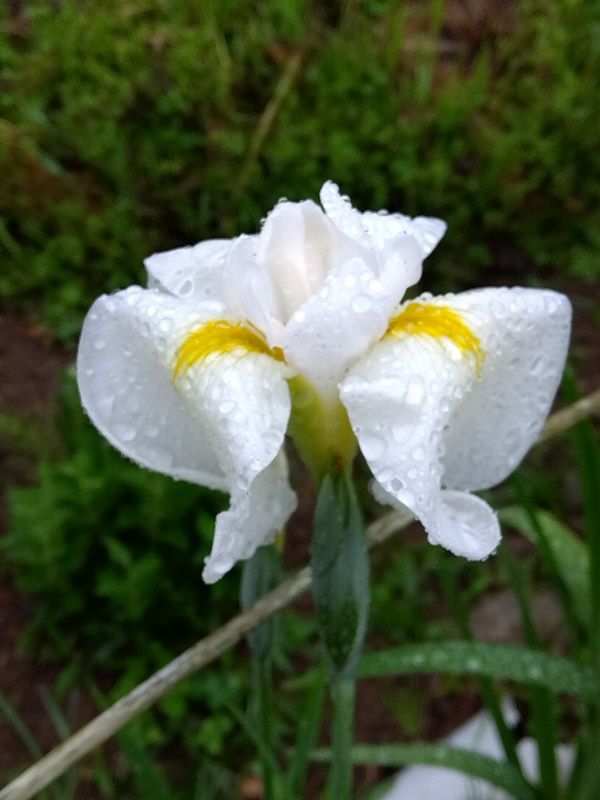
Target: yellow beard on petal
427 319
218 337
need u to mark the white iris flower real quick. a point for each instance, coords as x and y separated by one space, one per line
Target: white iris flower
199 375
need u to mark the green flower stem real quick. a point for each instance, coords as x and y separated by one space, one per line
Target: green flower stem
264 697
340 565
260 574
342 738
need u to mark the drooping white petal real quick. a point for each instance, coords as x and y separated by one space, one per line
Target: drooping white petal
191 272
429 416
254 518
399 399
525 336
219 421
124 372
244 404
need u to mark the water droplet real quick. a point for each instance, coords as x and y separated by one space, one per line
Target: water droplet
187 287
226 407
99 344
126 433
361 304
350 281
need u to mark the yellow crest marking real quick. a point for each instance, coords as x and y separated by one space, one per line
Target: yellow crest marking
219 337
426 319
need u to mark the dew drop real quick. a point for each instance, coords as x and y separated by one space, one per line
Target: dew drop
187 287
361 304
99 344
126 433
226 407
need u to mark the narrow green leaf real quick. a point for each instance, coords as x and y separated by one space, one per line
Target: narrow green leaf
507 662
12 716
498 773
569 553
340 566
308 730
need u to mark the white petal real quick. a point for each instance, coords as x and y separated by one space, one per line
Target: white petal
385 232
478 734
425 419
190 272
244 403
339 323
221 422
399 399
250 292
525 335
255 518
428 231
296 247
125 377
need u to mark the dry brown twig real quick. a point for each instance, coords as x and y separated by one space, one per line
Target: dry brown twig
106 724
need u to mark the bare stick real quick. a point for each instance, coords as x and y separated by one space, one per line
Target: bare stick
567 417
102 727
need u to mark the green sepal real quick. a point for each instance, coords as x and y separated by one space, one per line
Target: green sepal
260 574
340 566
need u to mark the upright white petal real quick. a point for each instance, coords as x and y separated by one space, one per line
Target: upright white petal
381 230
193 272
351 311
430 420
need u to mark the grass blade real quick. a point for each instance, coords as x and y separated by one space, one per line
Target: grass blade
507 662
498 773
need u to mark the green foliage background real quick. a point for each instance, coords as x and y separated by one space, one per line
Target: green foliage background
130 127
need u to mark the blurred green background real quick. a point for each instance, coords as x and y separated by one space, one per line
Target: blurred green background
133 126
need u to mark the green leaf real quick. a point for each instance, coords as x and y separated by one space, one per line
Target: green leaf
506 662
308 731
569 553
495 772
340 567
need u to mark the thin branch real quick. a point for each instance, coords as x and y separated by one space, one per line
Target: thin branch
567 417
102 727
268 117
